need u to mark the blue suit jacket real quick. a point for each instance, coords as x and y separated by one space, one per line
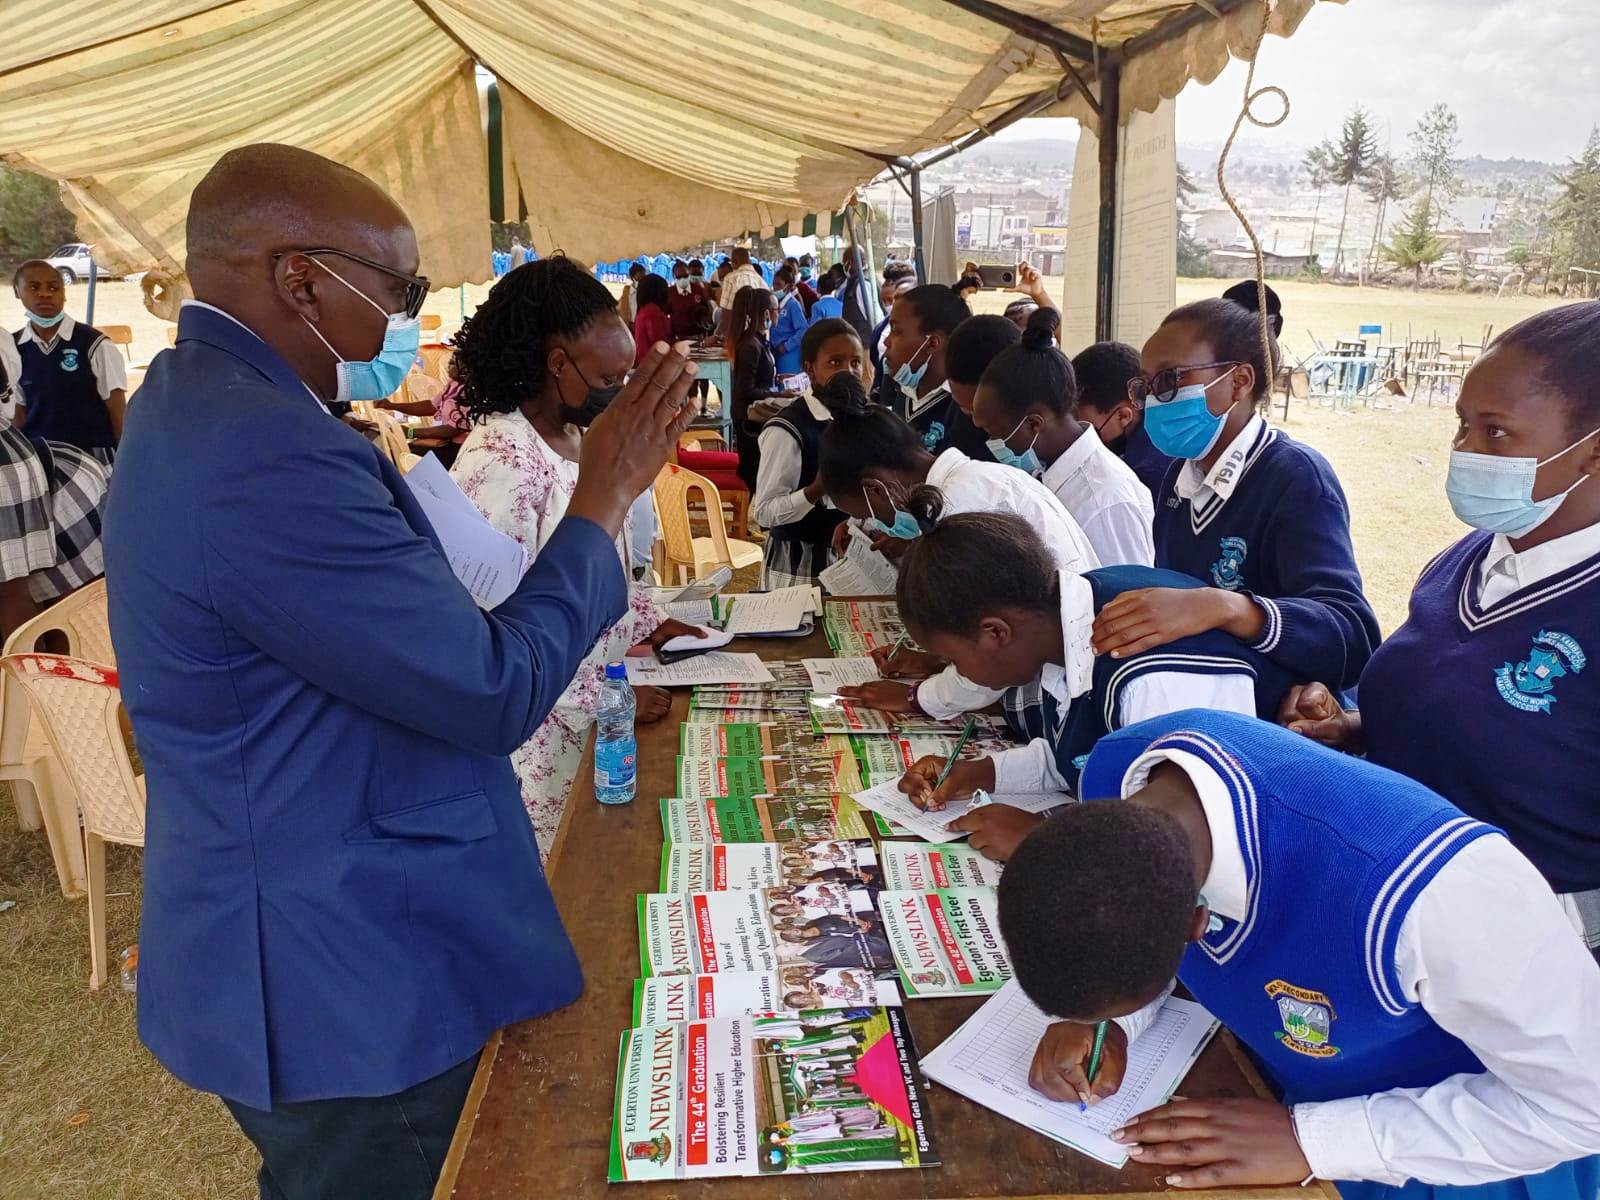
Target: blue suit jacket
342 890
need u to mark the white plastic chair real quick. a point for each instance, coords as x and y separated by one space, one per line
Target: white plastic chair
39 790
79 705
691 557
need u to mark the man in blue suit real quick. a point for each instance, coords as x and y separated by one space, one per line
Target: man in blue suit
343 897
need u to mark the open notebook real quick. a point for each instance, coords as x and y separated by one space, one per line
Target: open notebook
987 1061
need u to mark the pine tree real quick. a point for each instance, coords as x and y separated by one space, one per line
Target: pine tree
1353 155
1192 259
1576 217
1381 185
1314 166
1415 245
1433 161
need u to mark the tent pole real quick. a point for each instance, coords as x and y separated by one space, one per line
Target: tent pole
916 222
94 275
1029 27
1106 265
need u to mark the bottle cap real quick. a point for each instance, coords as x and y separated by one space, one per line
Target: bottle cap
616 671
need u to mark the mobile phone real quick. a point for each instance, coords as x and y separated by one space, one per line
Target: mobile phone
998 277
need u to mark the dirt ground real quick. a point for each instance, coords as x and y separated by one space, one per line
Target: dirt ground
85 1111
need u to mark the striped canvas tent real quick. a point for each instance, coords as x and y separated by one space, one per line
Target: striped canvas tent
626 125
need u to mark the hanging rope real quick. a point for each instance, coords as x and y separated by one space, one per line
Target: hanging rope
1250 97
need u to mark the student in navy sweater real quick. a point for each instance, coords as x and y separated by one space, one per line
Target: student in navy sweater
981 590
920 325
1399 972
975 344
1250 512
1103 372
1504 624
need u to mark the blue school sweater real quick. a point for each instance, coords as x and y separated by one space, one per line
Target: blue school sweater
1031 712
1498 708
1336 851
1283 536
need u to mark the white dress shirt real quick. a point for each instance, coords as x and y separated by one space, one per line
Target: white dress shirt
971 486
105 360
1032 768
1107 500
780 497
1488 953
1225 474
1504 570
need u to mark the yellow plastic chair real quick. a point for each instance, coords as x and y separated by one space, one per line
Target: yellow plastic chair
430 323
436 361
79 705
418 386
38 786
119 335
688 556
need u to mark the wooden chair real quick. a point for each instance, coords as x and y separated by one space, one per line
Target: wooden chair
688 556
80 707
119 335
699 445
79 625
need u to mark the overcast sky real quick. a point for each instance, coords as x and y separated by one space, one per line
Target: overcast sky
1523 76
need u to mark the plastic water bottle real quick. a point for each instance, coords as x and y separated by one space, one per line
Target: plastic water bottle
615 750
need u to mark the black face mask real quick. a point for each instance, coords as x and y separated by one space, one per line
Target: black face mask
595 401
1117 445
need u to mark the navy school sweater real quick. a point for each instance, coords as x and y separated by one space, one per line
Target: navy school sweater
1283 536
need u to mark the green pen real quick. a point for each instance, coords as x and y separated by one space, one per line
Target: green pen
1094 1057
949 763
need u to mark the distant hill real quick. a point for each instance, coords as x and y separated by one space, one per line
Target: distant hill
1039 152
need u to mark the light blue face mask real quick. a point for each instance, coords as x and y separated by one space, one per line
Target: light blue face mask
47 322
908 378
383 374
1027 461
1184 427
1495 493
905 525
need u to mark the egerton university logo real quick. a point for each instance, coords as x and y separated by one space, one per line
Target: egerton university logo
1227 571
1306 1017
1530 684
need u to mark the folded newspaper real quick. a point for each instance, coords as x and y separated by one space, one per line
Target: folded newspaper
779 1094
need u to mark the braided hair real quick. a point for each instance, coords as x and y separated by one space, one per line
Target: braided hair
501 351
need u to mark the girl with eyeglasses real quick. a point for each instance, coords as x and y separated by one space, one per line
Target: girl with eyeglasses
1255 515
1488 692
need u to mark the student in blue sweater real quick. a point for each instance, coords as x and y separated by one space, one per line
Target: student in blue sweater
1504 624
790 324
981 590
1402 976
1250 512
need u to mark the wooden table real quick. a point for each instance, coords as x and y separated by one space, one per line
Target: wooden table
537 1122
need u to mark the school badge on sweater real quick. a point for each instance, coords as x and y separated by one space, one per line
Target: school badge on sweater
1228 570
1530 684
1306 1018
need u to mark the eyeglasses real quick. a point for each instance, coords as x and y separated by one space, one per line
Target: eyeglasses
1161 386
417 286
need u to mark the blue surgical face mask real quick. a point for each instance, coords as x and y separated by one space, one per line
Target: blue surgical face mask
1184 427
47 322
1027 461
1495 493
905 525
780 296
907 377
381 375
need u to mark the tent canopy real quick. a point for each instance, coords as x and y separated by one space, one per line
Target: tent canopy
628 124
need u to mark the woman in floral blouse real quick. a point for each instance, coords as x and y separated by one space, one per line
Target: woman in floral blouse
540 359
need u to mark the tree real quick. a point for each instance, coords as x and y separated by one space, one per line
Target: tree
1192 259
1433 161
1314 166
1352 158
1415 244
33 221
1381 185
1576 216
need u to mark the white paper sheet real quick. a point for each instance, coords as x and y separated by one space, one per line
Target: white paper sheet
720 666
888 799
862 571
709 639
691 612
828 675
987 1061
782 610
488 563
